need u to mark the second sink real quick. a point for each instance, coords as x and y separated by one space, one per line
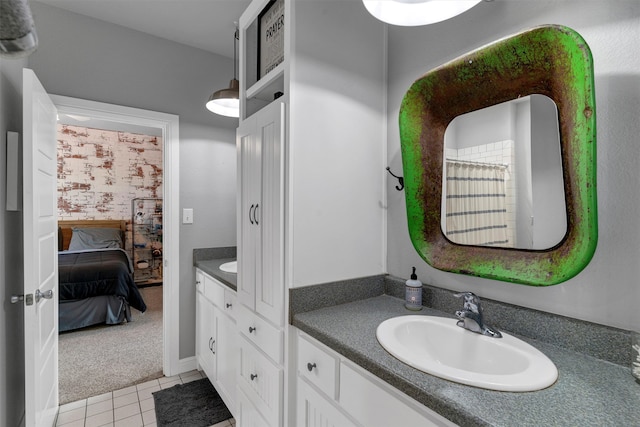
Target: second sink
437 346
230 267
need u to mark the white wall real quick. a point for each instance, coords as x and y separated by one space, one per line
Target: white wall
604 291
11 315
90 59
336 143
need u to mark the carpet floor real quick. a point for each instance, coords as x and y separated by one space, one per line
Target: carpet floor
195 404
99 359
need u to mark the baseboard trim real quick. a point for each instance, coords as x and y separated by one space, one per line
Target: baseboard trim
186 365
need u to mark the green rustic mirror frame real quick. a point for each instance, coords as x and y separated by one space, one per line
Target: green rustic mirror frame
549 60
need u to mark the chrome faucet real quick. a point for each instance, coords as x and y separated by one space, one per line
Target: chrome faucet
471 316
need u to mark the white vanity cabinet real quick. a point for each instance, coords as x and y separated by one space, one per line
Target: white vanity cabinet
217 336
333 391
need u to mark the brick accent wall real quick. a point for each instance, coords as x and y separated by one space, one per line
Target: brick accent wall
101 171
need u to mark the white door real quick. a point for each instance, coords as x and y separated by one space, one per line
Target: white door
40 258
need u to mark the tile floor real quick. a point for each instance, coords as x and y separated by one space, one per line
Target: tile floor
130 407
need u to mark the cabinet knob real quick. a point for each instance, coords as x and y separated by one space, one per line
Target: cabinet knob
254 376
311 366
251 329
228 305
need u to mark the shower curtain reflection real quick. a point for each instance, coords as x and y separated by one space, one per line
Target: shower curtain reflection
476 204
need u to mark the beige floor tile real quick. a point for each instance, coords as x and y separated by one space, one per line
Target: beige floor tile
147 393
72 415
134 421
124 391
170 384
165 380
97 408
148 384
126 411
125 400
73 405
76 423
101 419
99 398
149 417
147 405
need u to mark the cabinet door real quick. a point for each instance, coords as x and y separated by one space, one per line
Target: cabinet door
205 336
249 172
227 357
270 279
313 410
260 142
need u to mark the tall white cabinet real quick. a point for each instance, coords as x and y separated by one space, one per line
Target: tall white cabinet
311 180
260 143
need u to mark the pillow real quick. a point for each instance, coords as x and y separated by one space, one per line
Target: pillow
95 238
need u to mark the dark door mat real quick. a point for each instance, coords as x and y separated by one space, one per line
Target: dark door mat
195 404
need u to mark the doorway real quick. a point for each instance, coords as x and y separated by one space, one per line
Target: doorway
168 125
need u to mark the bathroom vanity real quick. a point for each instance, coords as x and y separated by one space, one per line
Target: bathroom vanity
594 387
216 335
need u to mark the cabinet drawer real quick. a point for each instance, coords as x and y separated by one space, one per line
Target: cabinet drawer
248 414
230 298
314 410
264 335
317 366
213 290
261 381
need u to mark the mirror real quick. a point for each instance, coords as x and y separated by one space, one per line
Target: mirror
550 60
503 182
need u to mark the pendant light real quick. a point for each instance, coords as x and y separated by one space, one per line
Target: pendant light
226 102
412 13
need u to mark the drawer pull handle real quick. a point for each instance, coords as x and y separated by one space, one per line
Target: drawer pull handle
254 376
311 366
228 305
251 329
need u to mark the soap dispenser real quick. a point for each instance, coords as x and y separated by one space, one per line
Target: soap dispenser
413 293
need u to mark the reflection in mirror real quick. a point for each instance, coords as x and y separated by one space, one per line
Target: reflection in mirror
549 60
503 170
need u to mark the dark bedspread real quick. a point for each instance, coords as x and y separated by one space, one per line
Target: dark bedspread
84 274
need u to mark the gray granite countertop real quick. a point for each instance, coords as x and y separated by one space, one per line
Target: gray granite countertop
212 268
209 260
589 391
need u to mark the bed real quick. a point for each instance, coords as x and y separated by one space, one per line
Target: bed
95 275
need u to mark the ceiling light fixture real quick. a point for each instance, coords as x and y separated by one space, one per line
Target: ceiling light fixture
226 102
412 13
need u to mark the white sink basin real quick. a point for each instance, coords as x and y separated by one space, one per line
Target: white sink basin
439 347
230 267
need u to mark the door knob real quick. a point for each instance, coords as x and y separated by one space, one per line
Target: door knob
16 298
46 295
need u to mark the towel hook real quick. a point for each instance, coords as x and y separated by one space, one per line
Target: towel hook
399 178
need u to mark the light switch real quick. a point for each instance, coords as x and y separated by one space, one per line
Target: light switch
187 216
